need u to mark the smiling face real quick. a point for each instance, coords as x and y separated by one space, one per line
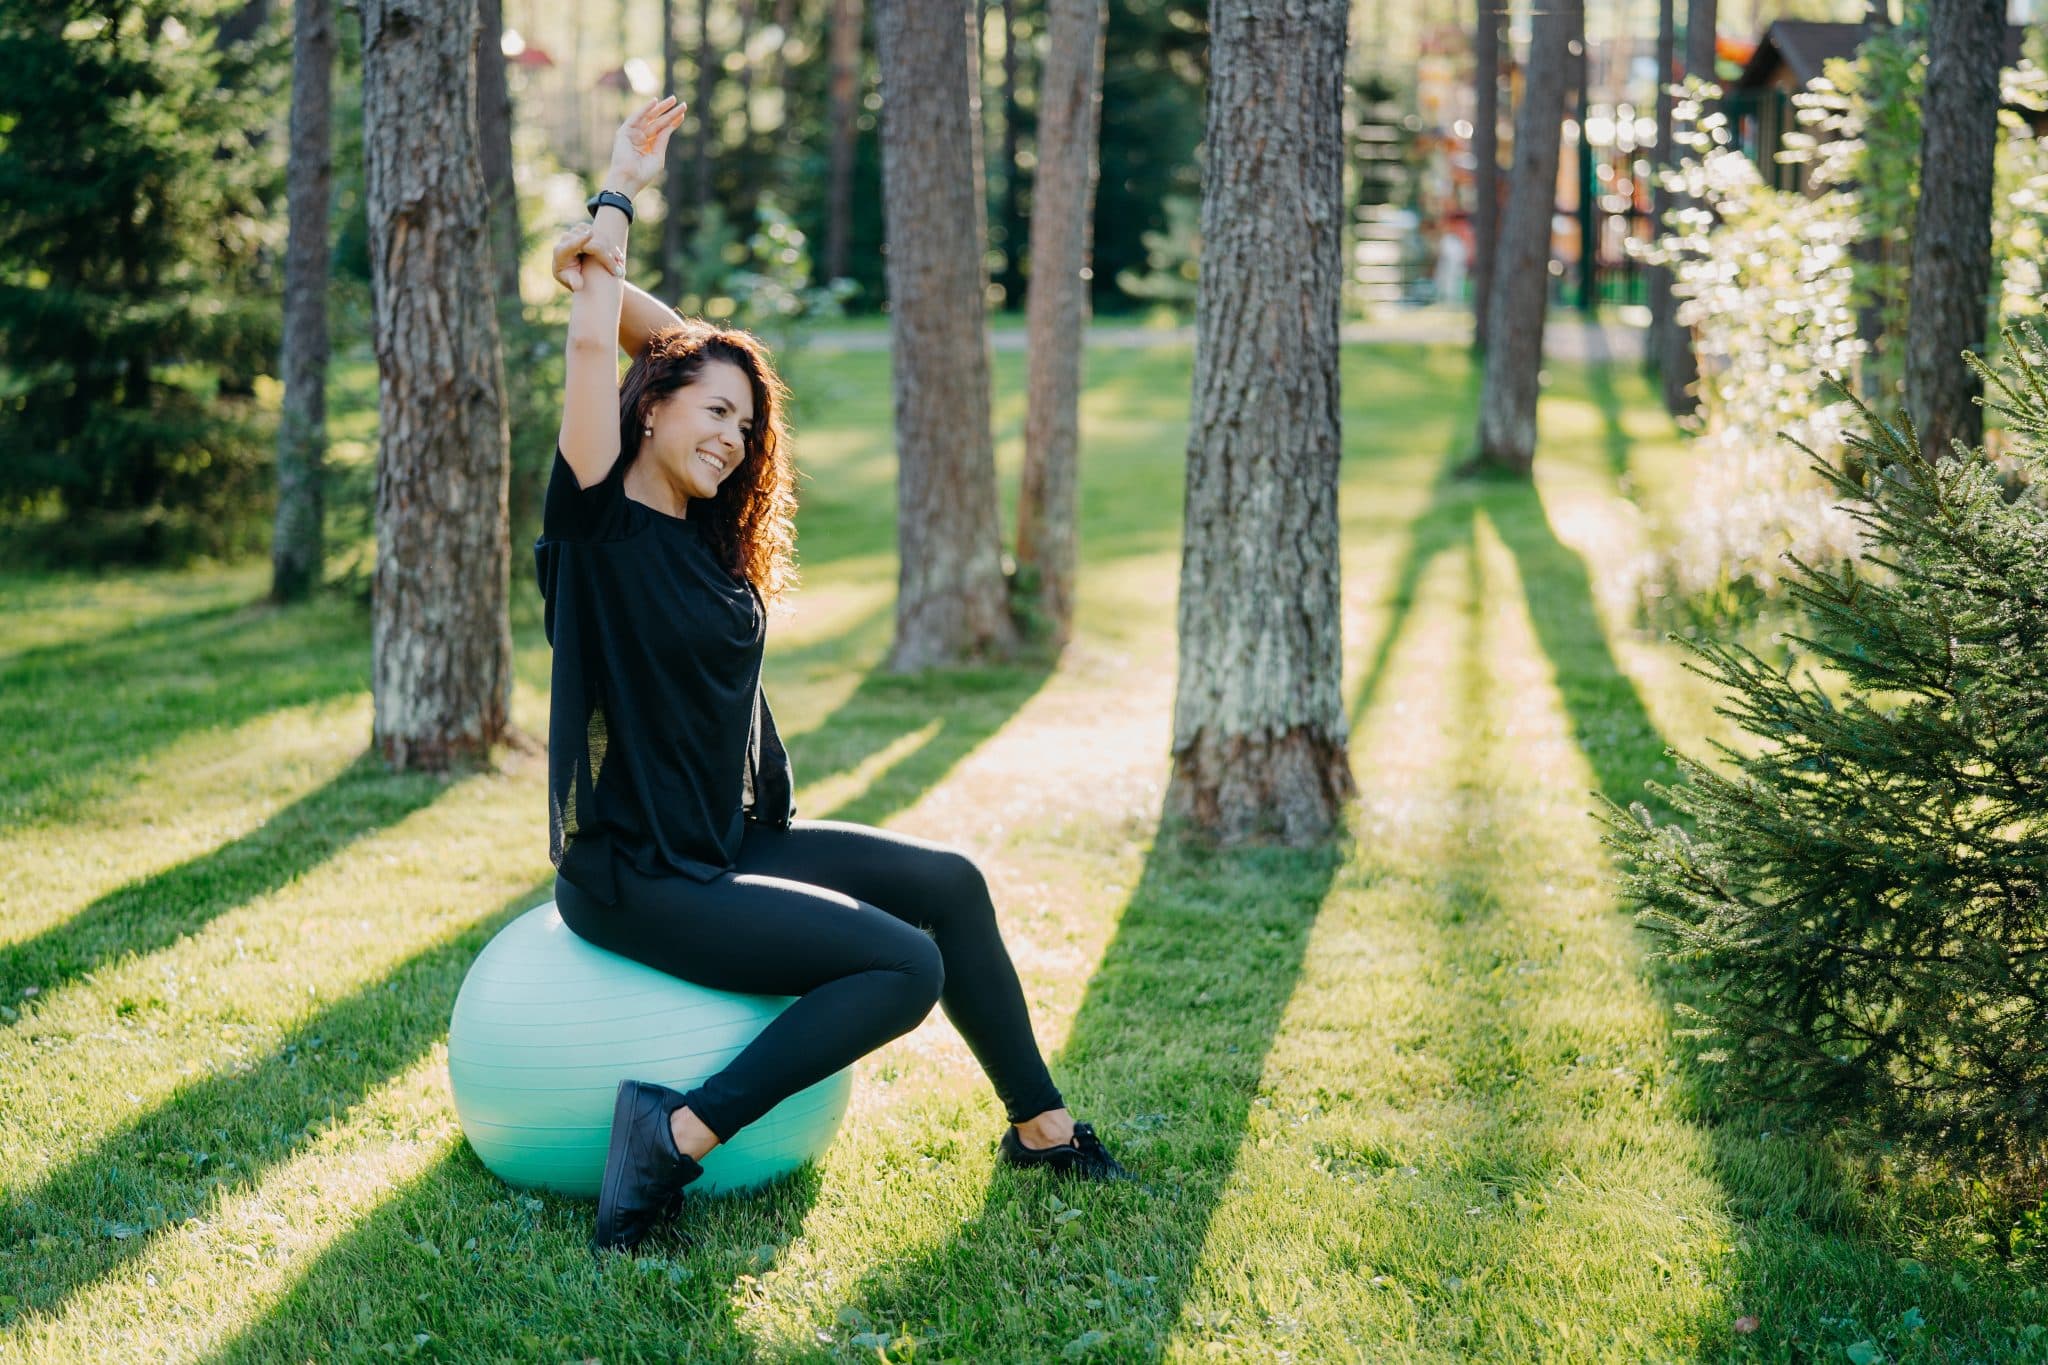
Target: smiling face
700 430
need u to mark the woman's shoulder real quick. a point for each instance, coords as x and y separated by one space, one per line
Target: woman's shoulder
572 512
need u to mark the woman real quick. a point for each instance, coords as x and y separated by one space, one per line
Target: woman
666 530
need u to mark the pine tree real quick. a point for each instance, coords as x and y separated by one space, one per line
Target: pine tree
1859 899
140 216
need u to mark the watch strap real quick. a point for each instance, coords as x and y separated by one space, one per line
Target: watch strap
621 202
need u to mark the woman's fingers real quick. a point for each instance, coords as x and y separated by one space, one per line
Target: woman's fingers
655 140
655 110
665 112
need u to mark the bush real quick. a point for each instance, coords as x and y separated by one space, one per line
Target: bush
1859 901
1780 286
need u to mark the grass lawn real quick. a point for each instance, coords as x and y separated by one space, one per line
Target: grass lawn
1417 1095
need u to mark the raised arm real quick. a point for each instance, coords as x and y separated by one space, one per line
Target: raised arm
590 397
641 316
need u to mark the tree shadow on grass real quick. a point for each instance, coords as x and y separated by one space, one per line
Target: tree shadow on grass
155 911
219 1137
104 1205
1614 438
1445 524
1812 1248
957 709
77 712
1185 1002
140 1180
510 1277
1613 727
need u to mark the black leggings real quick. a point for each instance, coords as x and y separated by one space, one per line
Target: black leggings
867 927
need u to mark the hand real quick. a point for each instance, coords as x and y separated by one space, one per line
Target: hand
641 144
570 249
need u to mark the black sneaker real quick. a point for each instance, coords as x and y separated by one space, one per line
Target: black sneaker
644 1174
1084 1157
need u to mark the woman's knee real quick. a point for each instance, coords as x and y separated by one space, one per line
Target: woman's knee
924 974
955 892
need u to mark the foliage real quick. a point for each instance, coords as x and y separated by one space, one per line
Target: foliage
1172 257
1860 897
140 236
1781 286
1865 149
1766 279
762 281
1154 81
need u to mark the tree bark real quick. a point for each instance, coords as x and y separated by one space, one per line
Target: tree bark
1012 210
440 639
1702 24
1657 278
1259 732
674 184
708 62
1062 228
494 147
297 551
1948 301
1486 162
746 10
950 602
1521 293
845 97
785 23
1677 366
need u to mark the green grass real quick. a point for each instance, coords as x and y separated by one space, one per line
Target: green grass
1413 1096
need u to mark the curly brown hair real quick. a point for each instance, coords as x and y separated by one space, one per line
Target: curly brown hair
751 524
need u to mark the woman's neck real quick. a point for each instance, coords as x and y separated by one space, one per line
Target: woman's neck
646 486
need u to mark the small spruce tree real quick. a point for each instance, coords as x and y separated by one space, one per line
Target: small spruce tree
1858 900
140 217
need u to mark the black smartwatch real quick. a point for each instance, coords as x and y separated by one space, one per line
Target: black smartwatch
618 201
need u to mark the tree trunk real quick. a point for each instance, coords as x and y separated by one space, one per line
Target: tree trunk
296 544
1486 162
845 119
1948 300
1869 253
674 191
1062 226
785 23
746 10
1657 278
950 602
1259 733
1702 24
1521 293
494 146
440 639
708 62
1013 172
1677 367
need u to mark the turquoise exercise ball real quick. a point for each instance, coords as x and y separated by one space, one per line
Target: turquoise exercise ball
547 1025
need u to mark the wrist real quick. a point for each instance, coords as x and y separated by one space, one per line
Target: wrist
623 183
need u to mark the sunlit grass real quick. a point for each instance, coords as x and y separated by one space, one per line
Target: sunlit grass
1415 1096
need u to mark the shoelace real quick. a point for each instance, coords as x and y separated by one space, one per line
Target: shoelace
1094 1154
